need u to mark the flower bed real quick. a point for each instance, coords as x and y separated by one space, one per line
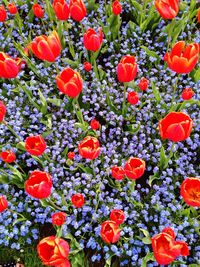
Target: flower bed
99 132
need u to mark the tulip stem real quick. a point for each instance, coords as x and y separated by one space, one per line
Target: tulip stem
71 47
78 110
124 101
94 63
11 130
175 87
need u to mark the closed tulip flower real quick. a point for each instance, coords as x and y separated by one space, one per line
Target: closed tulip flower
89 148
190 191
110 232
176 126
61 9
87 66
35 145
168 9
116 8
71 155
3 14
92 40
187 93
53 251
39 184
77 9
38 11
58 218
134 168
198 15
182 59
117 172
3 203
143 84
12 8
8 156
133 98
69 82
2 111
9 67
166 249
78 200
127 69
46 47
117 216
94 124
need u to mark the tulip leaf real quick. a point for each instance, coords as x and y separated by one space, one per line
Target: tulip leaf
4 179
152 178
43 101
21 146
163 159
133 129
81 126
145 232
19 220
147 258
110 104
156 92
146 240
55 101
150 53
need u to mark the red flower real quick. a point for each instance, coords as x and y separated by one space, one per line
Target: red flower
116 8
71 155
46 47
117 216
2 111
53 251
118 172
110 232
143 84
127 69
78 200
94 124
61 9
89 148
168 9
190 191
12 8
39 184
133 98
187 93
3 203
182 59
58 218
198 15
77 9
87 66
134 168
69 82
166 249
3 14
35 145
38 11
92 41
64 264
176 126
9 67
8 156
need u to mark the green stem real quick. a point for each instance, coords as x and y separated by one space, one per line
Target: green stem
124 101
174 91
94 63
11 130
78 109
12 211
71 47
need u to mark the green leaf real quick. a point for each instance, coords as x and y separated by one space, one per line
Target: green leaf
110 103
84 127
19 220
132 128
85 169
150 53
44 106
147 258
72 63
44 203
156 92
163 159
21 146
146 240
152 178
4 179
145 232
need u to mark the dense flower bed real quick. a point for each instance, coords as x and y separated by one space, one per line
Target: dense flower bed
100 122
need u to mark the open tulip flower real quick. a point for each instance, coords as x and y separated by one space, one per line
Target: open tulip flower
168 9
9 67
190 191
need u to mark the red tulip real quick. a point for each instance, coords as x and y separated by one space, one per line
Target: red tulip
9 67
3 14
133 98
166 249
58 218
168 9
176 126
39 184
38 11
3 203
8 156
69 82
78 200
94 124
182 59
127 69
46 47
110 232
53 251
87 66
117 216
190 191
187 93
12 8
2 111
134 168
143 84
77 9
35 145
198 15
64 264
61 9
92 41
71 155
89 148
116 8
118 172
